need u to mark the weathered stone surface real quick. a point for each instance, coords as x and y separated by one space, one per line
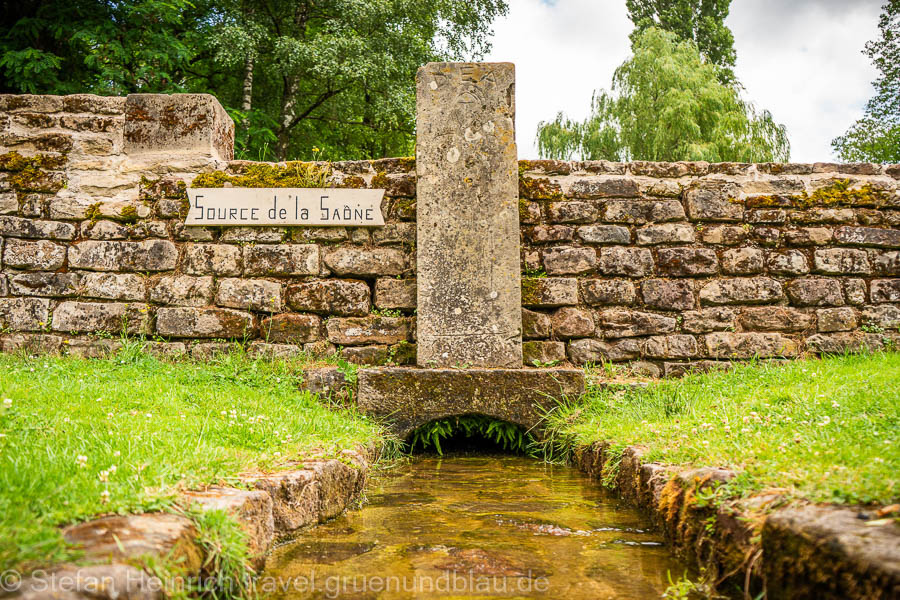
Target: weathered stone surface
34 256
883 315
543 234
836 319
638 212
743 261
886 290
290 328
539 354
9 203
847 557
603 187
367 262
787 262
252 509
468 276
395 293
151 255
887 263
713 201
535 325
327 381
36 343
160 535
112 317
194 124
749 345
409 398
687 262
314 494
24 314
571 322
770 216
845 341
775 318
604 292
260 235
18 227
98 582
250 294
549 292
203 323
726 235
665 294
808 236
104 230
855 291
395 233
570 260
113 286
841 261
53 285
667 233
671 346
823 215
749 290
591 350
352 331
281 259
868 236
330 297
92 348
708 319
628 262
628 323
604 234
212 259
267 351
809 291
182 290
572 212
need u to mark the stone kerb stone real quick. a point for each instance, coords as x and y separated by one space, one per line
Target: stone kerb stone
193 124
468 273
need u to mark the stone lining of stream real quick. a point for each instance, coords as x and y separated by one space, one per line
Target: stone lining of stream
272 507
762 543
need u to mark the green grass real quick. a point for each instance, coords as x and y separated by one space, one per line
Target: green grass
125 434
825 430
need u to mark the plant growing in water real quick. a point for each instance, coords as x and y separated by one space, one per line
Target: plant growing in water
507 435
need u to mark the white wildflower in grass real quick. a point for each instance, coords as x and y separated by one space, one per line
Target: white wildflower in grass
834 404
103 476
104 496
99 400
7 402
825 421
81 459
117 453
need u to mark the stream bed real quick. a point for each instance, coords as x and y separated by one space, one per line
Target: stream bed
477 527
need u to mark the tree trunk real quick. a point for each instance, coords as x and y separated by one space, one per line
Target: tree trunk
288 104
247 92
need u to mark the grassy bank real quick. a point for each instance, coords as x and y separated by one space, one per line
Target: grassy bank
825 430
125 434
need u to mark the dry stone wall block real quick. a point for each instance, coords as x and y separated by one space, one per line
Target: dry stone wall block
33 256
867 236
24 314
291 328
395 293
607 292
113 286
842 261
687 262
711 201
750 290
543 353
749 345
250 294
667 233
151 255
204 323
212 259
549 292
570 261
182 290
604 234
52 285
367 262
667 294
629 323
535 325
283 259
776 318
112 317
886 290
570 322
626 262
191 124
352 331
810 291
18 227
590 350
338 297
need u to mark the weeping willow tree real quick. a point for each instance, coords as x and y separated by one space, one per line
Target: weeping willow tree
667 104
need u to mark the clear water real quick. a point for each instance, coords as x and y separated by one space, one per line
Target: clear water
477 527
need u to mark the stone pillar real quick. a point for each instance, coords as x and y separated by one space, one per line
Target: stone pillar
469 289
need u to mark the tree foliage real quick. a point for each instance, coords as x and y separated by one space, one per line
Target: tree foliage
667 104
876 136
302 78
700 21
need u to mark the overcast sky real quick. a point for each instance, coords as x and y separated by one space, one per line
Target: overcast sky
801 59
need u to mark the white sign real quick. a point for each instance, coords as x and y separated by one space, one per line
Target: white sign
285 206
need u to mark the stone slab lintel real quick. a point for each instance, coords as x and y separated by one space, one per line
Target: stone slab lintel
408 397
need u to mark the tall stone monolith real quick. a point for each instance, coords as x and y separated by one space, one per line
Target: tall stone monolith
469 294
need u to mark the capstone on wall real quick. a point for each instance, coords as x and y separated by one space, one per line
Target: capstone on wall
660 266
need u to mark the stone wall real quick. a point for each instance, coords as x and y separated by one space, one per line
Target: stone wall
656 265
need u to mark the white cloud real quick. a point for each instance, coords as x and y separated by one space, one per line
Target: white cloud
802 60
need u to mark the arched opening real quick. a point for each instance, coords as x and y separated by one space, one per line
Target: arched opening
471 434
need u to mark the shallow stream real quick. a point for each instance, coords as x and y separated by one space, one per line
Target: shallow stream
478 527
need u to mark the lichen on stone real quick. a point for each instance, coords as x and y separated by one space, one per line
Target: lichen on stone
263 175
30 174
839 193
539 188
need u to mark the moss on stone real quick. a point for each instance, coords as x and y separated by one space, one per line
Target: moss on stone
262 175
353 182
128 215
31 174
531 289
539 188
92 213
380 181
840 193
13 161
